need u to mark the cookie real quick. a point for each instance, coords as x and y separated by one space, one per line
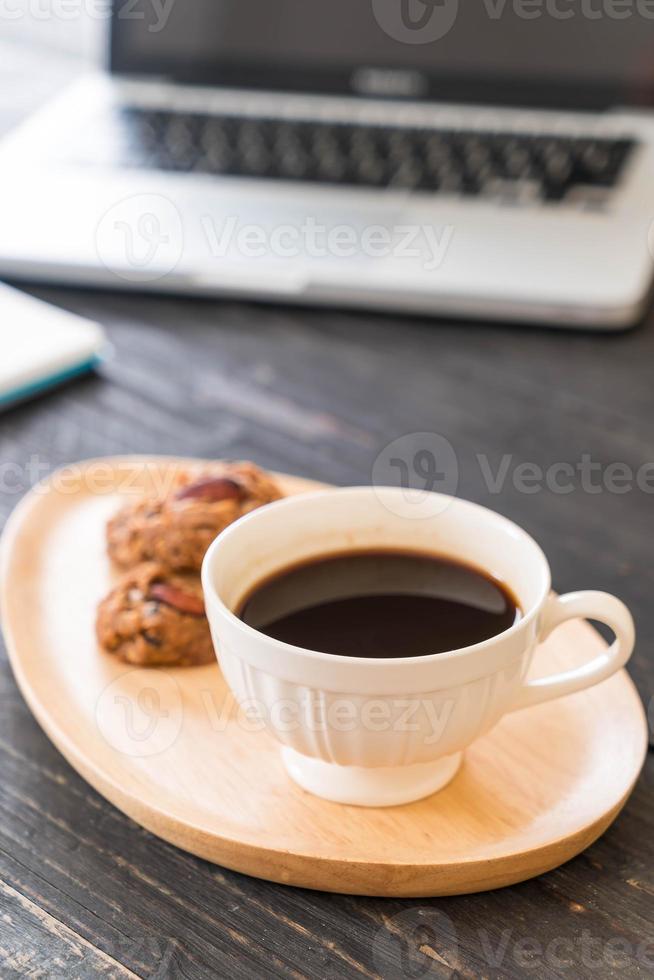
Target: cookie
155 618
176 528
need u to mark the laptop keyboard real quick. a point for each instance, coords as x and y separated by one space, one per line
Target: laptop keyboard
529 167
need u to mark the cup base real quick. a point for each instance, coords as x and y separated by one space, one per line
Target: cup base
362 786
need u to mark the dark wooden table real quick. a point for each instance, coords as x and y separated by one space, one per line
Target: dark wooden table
84 892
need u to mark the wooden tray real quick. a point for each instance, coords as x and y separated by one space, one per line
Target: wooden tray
168 749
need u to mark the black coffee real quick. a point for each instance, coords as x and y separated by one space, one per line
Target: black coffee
381 604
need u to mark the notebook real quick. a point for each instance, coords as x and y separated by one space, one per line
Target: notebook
42 346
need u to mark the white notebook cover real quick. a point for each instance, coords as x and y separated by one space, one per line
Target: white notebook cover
41 344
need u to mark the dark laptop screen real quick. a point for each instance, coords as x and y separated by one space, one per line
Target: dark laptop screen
585 53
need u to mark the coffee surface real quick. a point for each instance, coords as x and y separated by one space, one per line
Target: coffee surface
381 604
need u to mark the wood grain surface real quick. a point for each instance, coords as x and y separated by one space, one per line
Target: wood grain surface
170 749
84 891
321 393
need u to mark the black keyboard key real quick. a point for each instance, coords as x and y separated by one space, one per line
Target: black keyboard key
371 170
515 160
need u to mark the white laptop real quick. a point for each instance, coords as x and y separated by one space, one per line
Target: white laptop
477 159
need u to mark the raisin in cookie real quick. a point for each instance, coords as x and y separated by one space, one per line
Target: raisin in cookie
154 618
176 528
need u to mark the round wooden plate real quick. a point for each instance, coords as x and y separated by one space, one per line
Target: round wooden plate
169 748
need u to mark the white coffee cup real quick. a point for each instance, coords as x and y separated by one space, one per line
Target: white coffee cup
379 732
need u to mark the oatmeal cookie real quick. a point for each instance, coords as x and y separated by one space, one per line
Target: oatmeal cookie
176 528
154 618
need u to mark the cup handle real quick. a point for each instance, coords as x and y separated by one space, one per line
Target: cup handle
584 605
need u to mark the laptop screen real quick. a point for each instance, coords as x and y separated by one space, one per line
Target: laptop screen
575 53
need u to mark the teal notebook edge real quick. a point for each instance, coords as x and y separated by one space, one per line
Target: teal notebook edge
17 395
